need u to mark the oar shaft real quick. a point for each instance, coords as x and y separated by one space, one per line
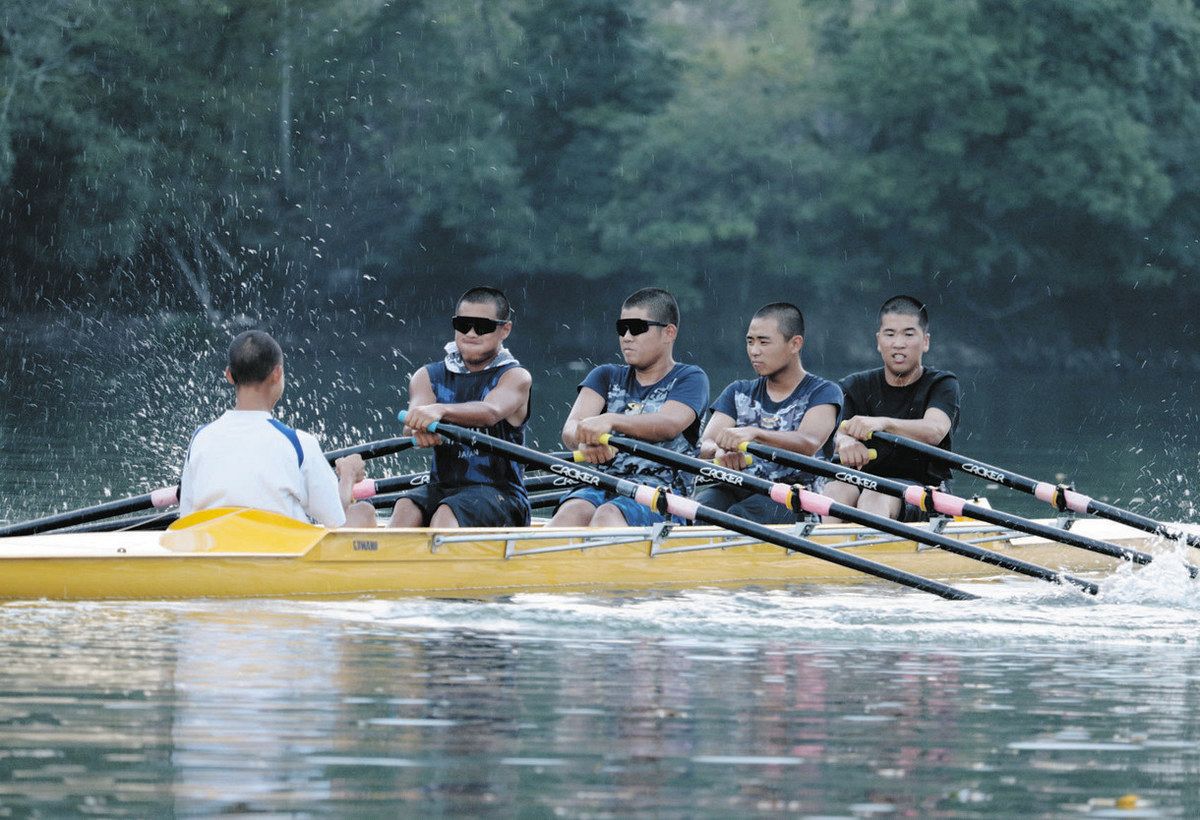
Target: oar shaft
169 496
945 503
372 487
686 508
795 497
372 449
162 497
1058 497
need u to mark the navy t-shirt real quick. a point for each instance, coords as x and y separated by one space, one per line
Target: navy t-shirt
747 402
686 384
869 394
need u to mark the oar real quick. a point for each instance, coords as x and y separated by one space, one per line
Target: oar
169 496
537 501
371 488
932 500
668 503
795 497
372 449
1056 495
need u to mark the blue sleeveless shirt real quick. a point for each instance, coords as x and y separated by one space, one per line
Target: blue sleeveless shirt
455 465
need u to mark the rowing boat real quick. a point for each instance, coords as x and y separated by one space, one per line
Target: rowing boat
241 553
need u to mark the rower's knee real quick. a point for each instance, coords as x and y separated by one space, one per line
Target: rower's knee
574 512
609 515
841 493
443 517
406 514
879 504
361 515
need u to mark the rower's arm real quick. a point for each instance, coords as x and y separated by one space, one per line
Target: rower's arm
930 428
718 423
815 428
671 419
588 404
509 399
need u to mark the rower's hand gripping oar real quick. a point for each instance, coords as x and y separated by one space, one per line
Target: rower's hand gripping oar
795 497
668 503
931 499
1056 495
169 496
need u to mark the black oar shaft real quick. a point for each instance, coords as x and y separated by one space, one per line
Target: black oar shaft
1061 498
796 497
162 497
686 508
372 449
169 496
946 503
373 487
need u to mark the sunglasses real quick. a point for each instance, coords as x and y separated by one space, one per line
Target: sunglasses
481 326
636 326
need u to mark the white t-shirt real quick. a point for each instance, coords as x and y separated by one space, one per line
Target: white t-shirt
246 459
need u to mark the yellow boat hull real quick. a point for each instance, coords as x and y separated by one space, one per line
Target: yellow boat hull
248 553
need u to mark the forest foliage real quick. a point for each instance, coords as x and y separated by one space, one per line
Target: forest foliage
213 154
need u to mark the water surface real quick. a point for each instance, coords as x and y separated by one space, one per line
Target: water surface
864 701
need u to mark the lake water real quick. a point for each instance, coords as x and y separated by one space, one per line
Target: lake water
867 701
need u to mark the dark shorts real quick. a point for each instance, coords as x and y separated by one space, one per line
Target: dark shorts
745 503
479 505
636 515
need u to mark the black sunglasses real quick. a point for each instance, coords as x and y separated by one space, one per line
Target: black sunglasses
481 326
636 326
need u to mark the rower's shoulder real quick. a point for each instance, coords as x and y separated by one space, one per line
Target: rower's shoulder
869 376
933 376
517 376
683 369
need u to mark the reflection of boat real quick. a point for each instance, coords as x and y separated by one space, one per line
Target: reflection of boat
249 553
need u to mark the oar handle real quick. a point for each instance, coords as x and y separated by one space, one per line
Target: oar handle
933 500
162 497
169 496
1060 497
664 502
798 498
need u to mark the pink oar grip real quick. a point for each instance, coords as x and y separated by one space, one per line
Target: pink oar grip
364 489
685 508
815 503
645 496
1073 500
164 497
1044 492
1077 501
781 494
944 503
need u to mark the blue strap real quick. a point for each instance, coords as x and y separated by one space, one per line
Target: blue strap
192 441
292 437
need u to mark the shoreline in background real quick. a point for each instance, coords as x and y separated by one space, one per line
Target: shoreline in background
958 342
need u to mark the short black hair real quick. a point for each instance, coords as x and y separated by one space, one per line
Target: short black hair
660 304
789 317
906 306
253 354
483 293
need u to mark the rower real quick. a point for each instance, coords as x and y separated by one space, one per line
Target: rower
248 458
785 407
902 397
478 384
651 397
